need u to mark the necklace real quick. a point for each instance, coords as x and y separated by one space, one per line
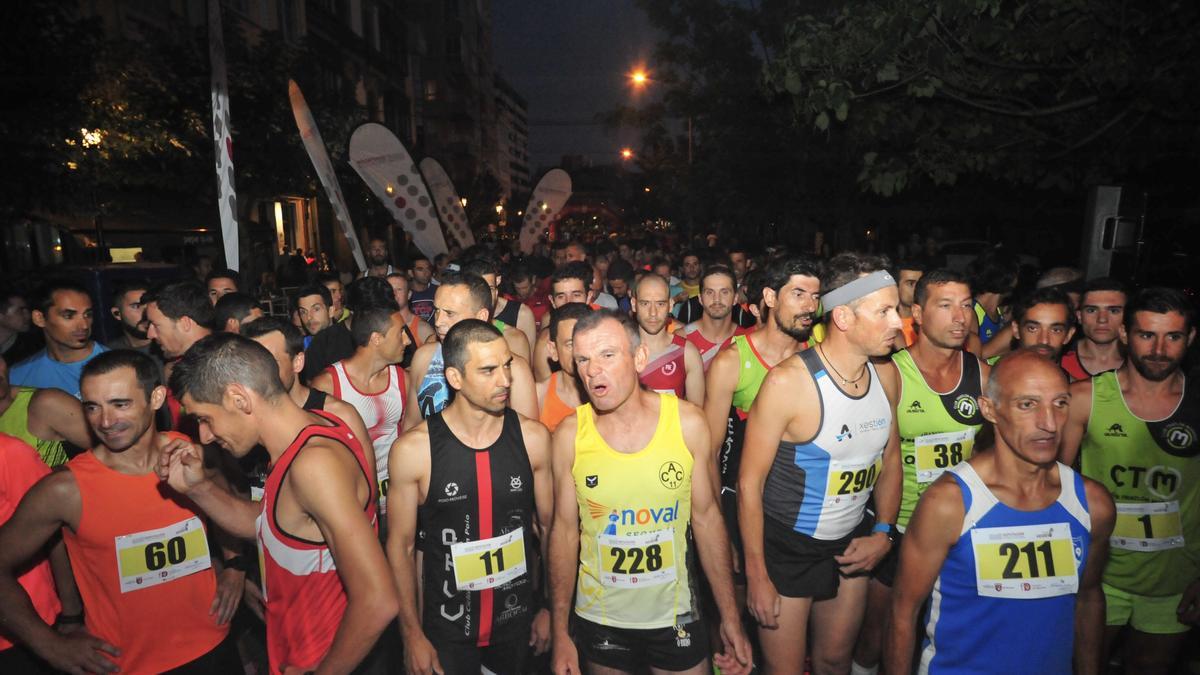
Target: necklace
842 377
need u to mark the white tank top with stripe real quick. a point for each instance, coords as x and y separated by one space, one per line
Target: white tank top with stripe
382 412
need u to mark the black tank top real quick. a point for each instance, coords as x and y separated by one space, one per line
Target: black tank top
316 399
476 495
512 310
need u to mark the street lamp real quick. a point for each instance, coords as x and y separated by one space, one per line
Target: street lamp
626 153
639 78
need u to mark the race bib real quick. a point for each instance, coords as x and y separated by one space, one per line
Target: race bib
852 479
938 452
1151 526
154 557
636 560
488 563
1025 561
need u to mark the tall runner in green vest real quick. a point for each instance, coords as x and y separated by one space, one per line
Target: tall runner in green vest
791 291
938 417
1137 431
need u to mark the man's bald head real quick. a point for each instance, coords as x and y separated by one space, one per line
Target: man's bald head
651 280
1017 365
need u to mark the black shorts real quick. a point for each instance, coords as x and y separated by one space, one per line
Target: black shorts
631 649
729 509
803 567
499 657
885 571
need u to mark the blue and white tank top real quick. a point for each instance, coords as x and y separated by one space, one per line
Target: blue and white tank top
1004 601
433 394
820 488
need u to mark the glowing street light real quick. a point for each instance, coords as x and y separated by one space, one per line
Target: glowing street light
639 78
626 153
463 201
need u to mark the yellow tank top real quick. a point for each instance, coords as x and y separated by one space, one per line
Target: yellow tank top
634 512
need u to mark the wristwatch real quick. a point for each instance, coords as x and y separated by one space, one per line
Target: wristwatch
887 528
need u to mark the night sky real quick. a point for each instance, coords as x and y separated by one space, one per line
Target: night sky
569 60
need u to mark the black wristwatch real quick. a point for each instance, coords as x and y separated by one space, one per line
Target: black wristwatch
237 562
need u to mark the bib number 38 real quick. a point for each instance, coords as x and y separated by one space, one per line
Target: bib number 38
153 557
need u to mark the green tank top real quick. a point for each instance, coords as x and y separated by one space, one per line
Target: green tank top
1152 469
937 431
15 422
751 374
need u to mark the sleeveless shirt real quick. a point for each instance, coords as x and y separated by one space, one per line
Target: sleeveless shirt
382 412
667 372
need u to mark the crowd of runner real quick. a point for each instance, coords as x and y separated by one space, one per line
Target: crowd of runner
604 459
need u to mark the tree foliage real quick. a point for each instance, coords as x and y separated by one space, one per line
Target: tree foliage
1052 93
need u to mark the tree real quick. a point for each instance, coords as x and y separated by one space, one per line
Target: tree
1053 93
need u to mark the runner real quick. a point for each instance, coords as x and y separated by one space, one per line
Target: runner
908 273
506 314
63 310
139 551
625 495
1043 322
179 315
1100 313
993 281
674 364
459 296
475 480
285 343
570 283
791 294
337 291
559 396
372 383
1011 544
130 313
689 269
937 417
20 470
420 298
820 440
336 342
377 259
329 592
1137 431
419 329
313 307
219 283
43 418
715 329
234 310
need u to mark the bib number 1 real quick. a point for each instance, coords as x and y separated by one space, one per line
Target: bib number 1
1154 526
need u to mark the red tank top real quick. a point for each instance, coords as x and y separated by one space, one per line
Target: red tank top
666 372
305 596
709 350
142 563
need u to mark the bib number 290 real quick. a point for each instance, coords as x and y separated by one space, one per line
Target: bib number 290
857 481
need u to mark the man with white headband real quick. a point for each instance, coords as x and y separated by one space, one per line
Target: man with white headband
821 438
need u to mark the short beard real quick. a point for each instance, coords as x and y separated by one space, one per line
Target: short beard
797 334
1142 367
134 332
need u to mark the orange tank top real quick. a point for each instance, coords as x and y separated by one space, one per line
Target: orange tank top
554 410
141 560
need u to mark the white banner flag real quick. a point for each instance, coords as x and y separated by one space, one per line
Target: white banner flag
222 138
384 164
549 196
449 206
320 159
